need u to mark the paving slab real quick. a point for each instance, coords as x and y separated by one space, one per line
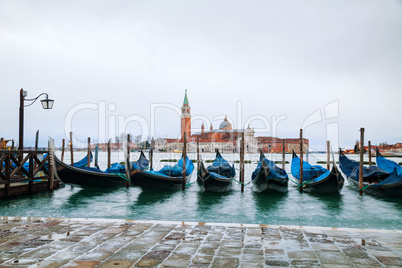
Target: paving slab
58 242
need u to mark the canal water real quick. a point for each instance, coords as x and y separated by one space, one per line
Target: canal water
345 210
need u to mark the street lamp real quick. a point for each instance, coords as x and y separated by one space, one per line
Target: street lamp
46 104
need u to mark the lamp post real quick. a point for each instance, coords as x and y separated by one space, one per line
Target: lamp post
46 104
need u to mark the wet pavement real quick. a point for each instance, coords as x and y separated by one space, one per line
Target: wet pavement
59 242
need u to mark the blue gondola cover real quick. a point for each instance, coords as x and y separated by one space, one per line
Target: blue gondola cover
351 169
142 162
222 167
388 165
274 169
392 179
310 172
177 170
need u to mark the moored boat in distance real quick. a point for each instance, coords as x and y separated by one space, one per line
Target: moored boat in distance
268 176
316 179
216 178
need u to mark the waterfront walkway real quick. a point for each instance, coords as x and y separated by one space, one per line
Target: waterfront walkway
59 242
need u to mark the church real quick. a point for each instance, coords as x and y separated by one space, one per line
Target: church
226 139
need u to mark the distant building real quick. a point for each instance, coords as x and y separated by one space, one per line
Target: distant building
113 146
397 147
226 139
274 145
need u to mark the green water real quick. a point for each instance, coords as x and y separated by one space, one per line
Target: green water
345 210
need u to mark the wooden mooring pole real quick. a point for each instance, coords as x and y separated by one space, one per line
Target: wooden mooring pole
301 162
51 164
242 161
62 149
183 185
36 140
283 154
108 154
369 152
328 154
89 152
128 147
36 146
96 155
361 161
151 158
198 154
128 160
71 148
32 166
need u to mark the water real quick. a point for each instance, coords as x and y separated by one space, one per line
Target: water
346 210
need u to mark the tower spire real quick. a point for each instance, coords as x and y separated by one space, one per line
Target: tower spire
185 102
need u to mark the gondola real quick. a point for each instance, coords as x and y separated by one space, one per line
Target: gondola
267 176
384 180
391 186
168 178
387 165
316 179
80 174
142 163
216 178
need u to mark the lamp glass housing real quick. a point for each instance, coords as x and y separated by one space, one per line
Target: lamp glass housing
47 103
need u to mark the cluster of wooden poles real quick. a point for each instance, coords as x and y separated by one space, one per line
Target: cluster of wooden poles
361 160
89 151
184 152
242 144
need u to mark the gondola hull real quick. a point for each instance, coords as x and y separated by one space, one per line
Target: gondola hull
168 178
210 183
389 190
264 181
268 177
148 180
332 184
73 175
316 179
216 178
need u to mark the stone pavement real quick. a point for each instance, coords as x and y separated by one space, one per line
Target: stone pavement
58 242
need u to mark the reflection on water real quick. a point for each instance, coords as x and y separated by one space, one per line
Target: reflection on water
83 195
269 201
149 197
207 200
292 208
333 203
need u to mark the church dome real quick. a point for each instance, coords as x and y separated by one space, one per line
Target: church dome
225 125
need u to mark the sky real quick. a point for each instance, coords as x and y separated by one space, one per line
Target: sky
328 67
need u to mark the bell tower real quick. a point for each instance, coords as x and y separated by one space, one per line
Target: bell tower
185 118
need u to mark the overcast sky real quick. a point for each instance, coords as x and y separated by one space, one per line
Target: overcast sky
272 58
